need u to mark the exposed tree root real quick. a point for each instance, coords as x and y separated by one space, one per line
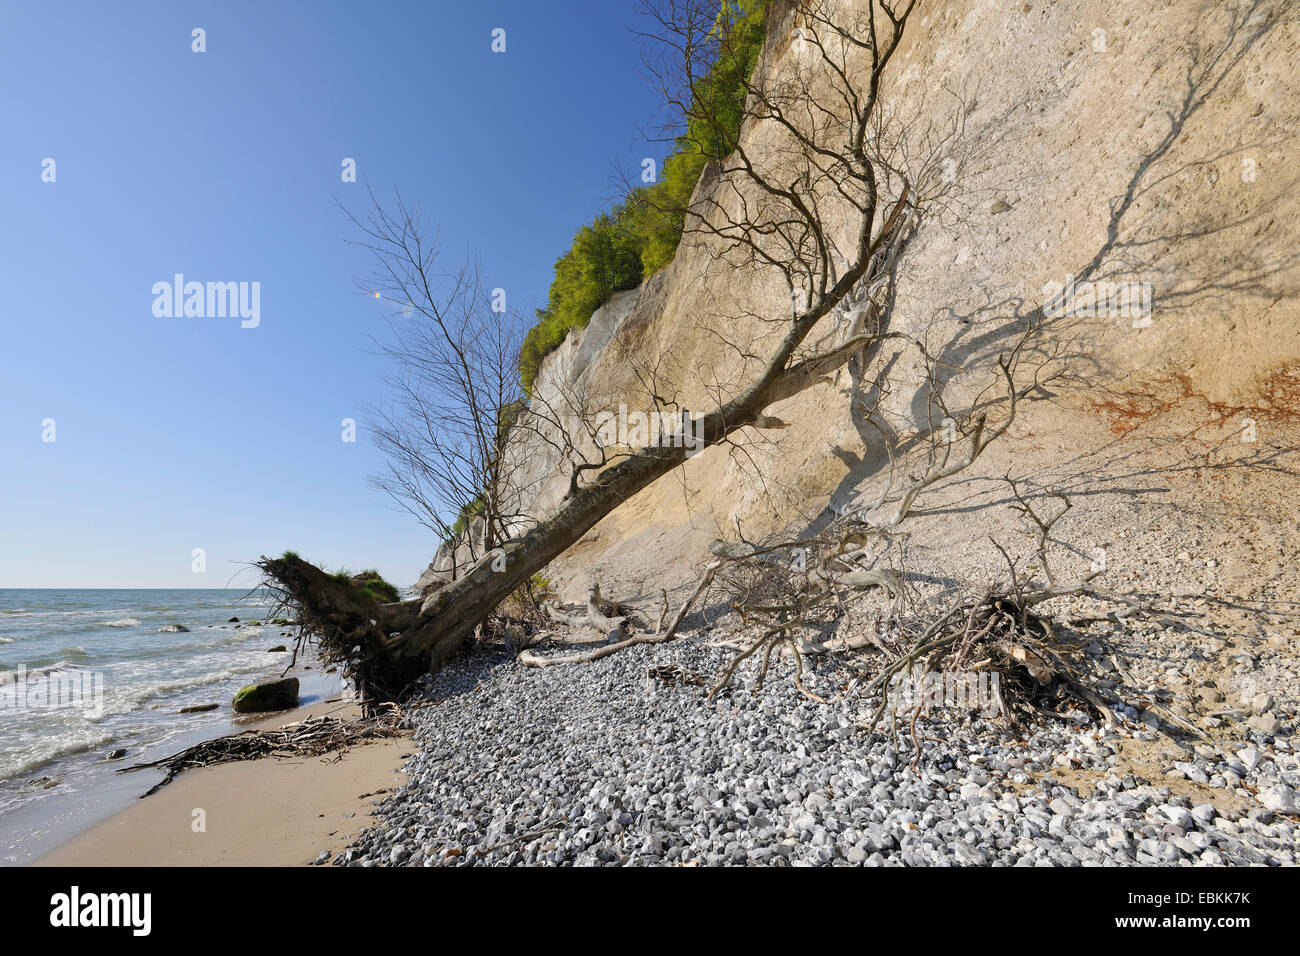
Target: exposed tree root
596 613
659 636
348 624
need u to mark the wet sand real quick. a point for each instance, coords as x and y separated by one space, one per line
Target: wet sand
267 812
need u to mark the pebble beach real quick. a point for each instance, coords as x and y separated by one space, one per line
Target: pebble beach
600 764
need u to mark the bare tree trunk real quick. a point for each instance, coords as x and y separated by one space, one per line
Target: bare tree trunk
406 639
823 172
451 613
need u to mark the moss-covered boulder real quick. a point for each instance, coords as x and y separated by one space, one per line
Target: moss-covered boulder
277 695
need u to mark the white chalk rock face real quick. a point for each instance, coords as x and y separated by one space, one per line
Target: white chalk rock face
1034 194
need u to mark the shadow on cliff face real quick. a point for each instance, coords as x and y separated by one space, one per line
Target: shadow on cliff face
1146 239
1198 254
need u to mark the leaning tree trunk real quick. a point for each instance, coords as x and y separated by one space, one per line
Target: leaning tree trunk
450 614
394 643
390 644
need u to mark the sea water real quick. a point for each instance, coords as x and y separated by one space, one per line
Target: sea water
86 672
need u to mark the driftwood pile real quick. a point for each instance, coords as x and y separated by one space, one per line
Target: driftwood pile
313 737
996 634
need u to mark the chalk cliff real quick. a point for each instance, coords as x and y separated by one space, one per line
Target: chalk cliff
1148 146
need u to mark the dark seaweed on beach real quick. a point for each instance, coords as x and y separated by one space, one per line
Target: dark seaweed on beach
313 737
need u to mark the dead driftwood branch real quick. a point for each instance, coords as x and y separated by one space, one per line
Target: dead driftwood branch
313 737
659 636
604 616
787 591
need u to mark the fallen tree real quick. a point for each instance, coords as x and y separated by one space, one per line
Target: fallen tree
822 172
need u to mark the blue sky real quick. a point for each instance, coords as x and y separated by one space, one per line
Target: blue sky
180 433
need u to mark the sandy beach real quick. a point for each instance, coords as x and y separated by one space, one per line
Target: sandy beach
266 812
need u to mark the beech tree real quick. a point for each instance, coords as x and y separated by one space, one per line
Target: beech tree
824 160
454 387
